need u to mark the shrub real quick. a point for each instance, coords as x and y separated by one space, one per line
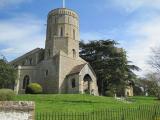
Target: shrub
109 93
158 96
87 92
6 94
137 91
34 88
158 93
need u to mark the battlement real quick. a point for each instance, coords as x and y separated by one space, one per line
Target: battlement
63 11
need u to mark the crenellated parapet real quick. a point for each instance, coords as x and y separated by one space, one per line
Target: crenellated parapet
63 11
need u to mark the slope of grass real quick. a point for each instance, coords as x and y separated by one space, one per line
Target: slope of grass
81 103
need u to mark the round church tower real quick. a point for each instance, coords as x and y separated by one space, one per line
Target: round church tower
62 33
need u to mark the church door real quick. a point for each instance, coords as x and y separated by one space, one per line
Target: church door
87 84
26 81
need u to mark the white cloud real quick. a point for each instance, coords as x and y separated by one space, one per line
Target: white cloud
8 50
132 5
92 35
137 37
6 3
20 34
97 35
146 36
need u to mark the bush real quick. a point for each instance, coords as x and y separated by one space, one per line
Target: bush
158 93
33 88
109 93
137 91
6 94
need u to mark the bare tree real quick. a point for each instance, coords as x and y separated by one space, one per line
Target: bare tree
154 60
154 85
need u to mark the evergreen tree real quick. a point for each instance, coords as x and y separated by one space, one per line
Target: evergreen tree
110 65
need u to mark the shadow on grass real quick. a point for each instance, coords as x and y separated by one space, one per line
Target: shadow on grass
80 101
72 101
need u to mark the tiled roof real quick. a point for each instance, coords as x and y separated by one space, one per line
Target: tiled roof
27 54
77 69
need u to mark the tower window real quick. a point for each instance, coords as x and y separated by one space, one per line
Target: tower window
61 31
74 53
74 34
55 20
73 83
49 52
49 32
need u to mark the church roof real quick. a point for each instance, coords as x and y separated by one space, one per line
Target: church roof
27 54
77 69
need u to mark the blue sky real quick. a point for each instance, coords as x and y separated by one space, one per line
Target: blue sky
135 24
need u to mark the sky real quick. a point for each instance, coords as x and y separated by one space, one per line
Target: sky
134 24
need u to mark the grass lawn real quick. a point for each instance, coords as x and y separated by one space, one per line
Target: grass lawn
80 103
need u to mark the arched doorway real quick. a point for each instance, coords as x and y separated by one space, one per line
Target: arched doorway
26 81
87 84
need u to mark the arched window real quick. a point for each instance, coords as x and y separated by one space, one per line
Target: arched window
26 81
30 61
46 73
26 61
74 34
74 53
73 83
61 31
23 63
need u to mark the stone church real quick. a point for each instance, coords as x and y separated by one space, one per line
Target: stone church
57 68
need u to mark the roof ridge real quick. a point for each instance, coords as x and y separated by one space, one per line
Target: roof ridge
26 54
77 69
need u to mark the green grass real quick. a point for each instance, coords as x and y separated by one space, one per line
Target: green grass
81 103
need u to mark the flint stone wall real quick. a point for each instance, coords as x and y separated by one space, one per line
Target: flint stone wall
21 110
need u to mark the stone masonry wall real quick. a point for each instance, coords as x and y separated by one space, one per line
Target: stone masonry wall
21 110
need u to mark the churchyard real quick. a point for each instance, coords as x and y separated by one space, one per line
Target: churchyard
82 103
87 107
